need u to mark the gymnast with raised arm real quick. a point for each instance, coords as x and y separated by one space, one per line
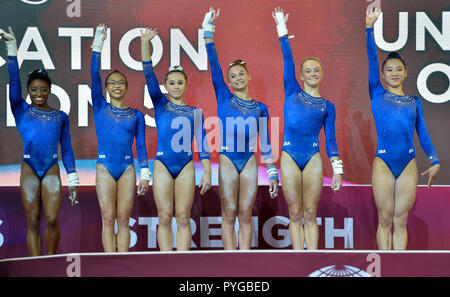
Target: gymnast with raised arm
42 128
394 172
238 168
305 113
116 126
174 174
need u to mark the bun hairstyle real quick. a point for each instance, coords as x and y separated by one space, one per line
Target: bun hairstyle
39 74
394 55
175 69
113 72
238 62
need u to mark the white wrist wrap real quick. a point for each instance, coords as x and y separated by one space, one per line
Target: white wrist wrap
338 167
145 174
97 44
72 180
11 48
281 25
272 171
208 27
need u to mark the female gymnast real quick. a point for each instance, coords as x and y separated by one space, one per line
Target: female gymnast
116 126
241 118
41 128
305 112
394 173
174 174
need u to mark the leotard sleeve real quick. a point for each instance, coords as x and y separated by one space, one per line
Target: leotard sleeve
330 131
264 140
141 149
154 90
375 87
220 87
424 137
96 82
200 135
15 87
67 154
290 82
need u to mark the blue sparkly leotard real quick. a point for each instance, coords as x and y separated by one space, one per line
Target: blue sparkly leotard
240 120
304 116
395 118
41 129
116 129
175 127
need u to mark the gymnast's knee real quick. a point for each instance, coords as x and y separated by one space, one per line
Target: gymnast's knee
400 221
34 222
52 224
310 215
165 220
385 220
295 216
123 222
229 216
245 217
183 220
108 220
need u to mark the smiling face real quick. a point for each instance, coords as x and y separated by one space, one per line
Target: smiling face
394 73
238 77
39 90
116 86
311 72
176 85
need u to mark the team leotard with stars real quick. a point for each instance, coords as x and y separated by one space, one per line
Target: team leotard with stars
41 129
395 118
116 128
240 120
304 116
176 126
